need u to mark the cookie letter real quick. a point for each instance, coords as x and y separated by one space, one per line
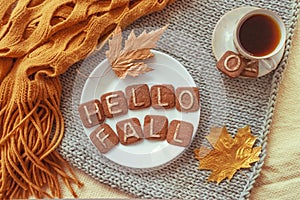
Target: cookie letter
251 69
159 98
134 98
231 64
91 113
162 96
187 99
114 103
104 138
129 131
138 96
180 133
175 139
155 127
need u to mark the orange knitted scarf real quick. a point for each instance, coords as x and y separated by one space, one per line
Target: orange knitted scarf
39 40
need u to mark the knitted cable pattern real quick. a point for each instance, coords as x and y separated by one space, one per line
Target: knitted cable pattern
235 103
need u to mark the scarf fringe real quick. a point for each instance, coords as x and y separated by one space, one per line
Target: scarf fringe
30 133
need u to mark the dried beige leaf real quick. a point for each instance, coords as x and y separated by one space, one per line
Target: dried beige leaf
115 45
137 69
128 61
144 41
133 56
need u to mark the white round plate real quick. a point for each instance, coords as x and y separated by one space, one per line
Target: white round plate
222 39
144 154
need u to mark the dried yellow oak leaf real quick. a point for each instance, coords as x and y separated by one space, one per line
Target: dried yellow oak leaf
128 61
229 154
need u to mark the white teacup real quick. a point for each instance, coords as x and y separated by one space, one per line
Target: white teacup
253 28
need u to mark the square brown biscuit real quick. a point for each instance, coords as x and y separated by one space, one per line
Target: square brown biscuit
187 99
138 96
162 96
155 127
180 133
251 69
91 113
104 138
129 131
231 64
114 104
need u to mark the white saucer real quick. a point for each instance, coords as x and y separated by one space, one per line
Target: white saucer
145 154
222 39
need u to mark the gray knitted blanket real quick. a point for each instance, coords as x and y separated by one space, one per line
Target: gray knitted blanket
231 102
